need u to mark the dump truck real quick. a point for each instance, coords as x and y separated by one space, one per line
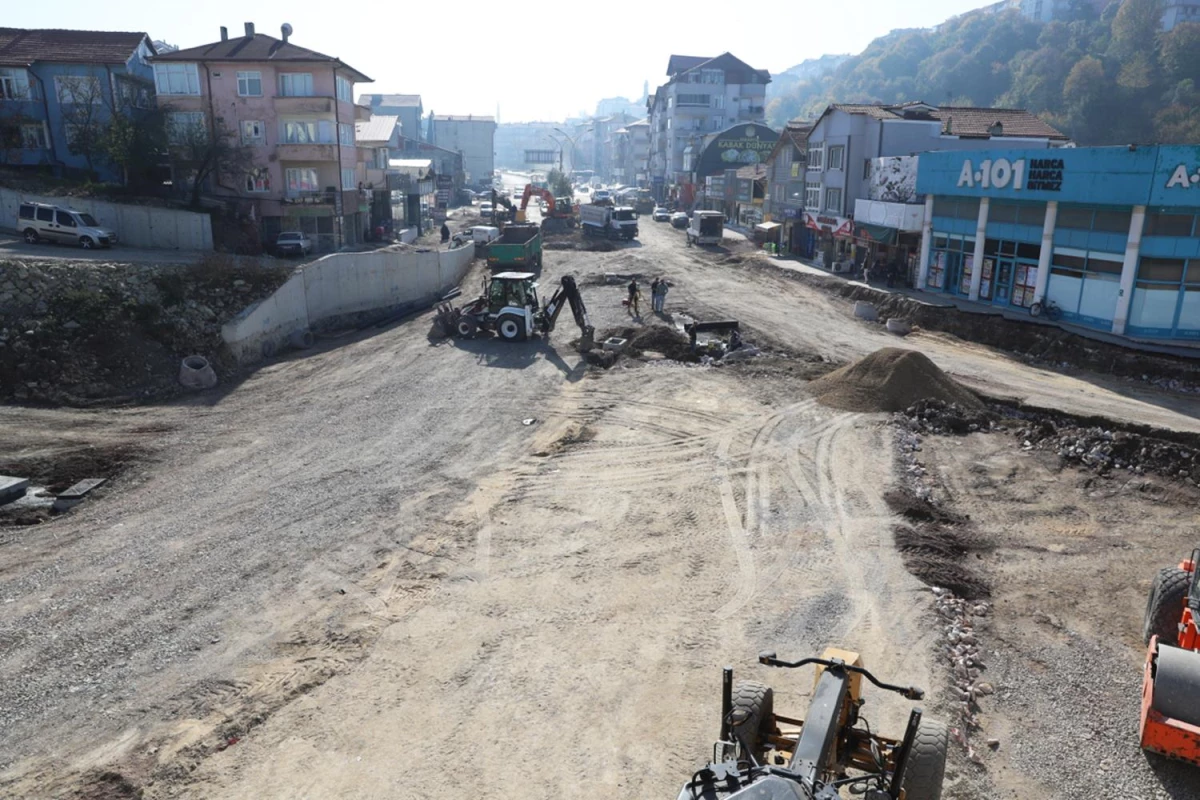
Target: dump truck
519 245
619 222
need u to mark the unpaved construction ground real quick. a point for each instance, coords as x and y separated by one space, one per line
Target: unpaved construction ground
361 573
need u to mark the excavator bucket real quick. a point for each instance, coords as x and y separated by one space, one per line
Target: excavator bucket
1170 723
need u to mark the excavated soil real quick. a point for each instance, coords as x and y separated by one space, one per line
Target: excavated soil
890 379
938 546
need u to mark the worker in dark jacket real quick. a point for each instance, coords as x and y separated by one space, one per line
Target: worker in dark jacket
445 233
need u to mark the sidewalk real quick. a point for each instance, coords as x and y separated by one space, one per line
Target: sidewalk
1180 350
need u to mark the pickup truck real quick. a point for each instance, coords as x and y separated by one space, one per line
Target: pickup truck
519 245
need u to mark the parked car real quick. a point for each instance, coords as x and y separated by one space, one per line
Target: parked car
485 210
38 221
679 220
293 243
660 214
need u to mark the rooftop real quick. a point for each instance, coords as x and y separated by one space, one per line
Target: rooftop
22 47
462 118
391 100
963 121
379 128
258 47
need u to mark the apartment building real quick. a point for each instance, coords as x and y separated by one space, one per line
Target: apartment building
701 98
473 136
285 116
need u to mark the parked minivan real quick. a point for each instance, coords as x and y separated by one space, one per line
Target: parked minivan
38 221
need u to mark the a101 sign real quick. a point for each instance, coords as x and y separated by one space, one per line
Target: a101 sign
1036 174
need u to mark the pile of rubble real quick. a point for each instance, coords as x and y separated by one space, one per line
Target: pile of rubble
890 379
1105 448
937 416
81 334
960 648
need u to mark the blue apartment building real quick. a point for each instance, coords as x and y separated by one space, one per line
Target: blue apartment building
55 82
1107 234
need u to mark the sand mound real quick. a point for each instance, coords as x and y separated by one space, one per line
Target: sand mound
890 379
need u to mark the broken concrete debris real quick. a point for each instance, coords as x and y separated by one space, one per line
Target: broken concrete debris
12 488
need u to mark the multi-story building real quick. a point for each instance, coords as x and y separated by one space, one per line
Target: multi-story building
631 157
1177 11
59 90
604 142
784 204
282 117
405 106
515 139
846 139
474 137
702 97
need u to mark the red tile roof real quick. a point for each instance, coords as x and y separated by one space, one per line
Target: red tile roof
259 47
22 47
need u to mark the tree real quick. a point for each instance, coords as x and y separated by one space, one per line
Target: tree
86 113
1135 28
560 184
1180 57
134 141
199 152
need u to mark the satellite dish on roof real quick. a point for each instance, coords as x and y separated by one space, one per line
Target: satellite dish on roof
287 30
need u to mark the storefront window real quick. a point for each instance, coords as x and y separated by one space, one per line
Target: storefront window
1169 225
1166 298
1075 218
1085 284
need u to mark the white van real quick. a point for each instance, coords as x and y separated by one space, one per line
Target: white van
38 221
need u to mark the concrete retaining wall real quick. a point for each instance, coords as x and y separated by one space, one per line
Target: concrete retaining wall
136 226
340 289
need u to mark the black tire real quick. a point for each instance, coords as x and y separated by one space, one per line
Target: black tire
31 236
1164 607
926 766
1036 310
466 327
754 707
510 328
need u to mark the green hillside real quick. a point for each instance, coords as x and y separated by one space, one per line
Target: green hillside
1103 78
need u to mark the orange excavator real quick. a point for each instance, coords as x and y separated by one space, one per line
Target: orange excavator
559 214
1170 723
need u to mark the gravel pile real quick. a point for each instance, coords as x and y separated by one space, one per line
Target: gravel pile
1105 449
890 379
938 416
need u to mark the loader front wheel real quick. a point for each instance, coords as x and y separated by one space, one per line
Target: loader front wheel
753 717
511 328
926 766
1164 607
467 327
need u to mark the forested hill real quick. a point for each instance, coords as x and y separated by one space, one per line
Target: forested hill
1107 77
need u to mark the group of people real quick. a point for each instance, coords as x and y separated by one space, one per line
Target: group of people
880 271
658 296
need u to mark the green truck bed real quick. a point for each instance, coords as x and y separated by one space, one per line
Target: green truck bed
519 245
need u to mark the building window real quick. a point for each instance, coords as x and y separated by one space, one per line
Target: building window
348 181
778 193
812 196
1168 225
177 79
694 100
346 134
816 156
308 132
253 132
185 127
78 89
833 200
296 84
712 76
718 101
249 84
258 181
33 136
14 84
302 179
837 156
132 94
866 169
345 90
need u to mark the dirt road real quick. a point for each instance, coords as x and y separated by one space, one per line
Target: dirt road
331 578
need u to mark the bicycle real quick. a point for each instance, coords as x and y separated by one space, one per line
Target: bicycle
1047 308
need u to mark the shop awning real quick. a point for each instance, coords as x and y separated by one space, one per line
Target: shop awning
875 233
766 227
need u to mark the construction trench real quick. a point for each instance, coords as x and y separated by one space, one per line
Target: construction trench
331 614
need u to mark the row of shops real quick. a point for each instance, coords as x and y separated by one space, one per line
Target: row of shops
1107 234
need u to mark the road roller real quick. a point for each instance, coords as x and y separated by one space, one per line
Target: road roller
1170 723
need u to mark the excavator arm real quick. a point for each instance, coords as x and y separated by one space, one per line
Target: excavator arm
568 294
531 190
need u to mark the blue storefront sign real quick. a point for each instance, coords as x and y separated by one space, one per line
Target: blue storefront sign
1088 269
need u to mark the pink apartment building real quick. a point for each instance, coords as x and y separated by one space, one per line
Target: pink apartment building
294 109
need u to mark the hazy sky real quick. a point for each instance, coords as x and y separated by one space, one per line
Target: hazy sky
536 60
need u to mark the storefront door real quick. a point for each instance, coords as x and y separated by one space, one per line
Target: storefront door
1002 281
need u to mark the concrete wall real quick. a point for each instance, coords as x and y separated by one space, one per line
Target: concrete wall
340 289
136 226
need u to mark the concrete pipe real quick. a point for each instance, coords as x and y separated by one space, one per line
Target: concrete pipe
301 340
864 310
899 327
196 373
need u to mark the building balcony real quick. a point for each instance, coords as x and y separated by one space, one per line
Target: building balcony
316 197
303 105
308 152
362 113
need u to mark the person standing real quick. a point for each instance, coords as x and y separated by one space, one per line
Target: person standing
662 295
445 233
654 294
635 295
